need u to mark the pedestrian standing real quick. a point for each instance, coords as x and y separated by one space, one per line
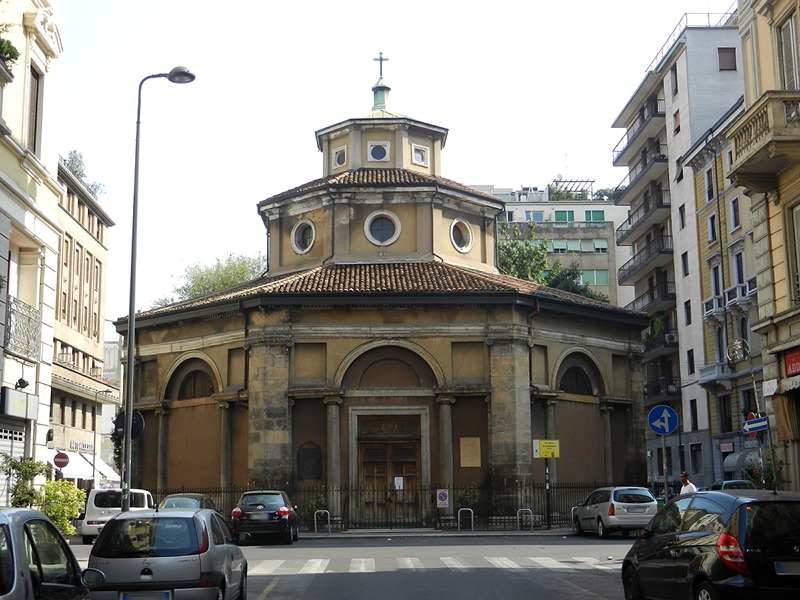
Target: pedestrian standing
688 487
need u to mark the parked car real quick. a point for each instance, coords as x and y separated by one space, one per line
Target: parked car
36 561
264 513
187 501
718 544
104 503
733 484
610 509
180 553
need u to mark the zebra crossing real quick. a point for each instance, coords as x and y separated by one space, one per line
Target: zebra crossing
517 564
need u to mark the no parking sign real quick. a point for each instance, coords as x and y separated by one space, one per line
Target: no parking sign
442 499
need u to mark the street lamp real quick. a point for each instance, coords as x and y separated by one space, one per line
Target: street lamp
94 436
176 75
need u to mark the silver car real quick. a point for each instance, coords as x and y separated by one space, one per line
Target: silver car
181 554
608 509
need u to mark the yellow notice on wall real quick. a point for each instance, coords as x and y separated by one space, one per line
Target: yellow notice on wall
546 449
470 452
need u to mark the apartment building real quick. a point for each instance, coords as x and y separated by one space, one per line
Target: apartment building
693 80
84 400
766 162
578 225
29 232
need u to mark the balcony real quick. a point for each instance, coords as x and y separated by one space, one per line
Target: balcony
657 299
652 210
23 329
663 389
647 123
715 374
740 296
655 254
714 309
659 344
766 140
650 167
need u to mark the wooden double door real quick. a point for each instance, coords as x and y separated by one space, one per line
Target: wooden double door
389 483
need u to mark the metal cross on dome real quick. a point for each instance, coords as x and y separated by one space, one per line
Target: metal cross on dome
380 60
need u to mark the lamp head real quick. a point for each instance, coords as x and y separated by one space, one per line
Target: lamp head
21 384
180 75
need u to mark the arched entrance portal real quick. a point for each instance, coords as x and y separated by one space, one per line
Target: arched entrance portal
389 403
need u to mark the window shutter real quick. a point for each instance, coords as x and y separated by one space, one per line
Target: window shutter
789 53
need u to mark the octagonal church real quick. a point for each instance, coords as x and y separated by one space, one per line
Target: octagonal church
382 350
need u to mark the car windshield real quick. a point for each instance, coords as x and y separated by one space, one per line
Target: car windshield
268 500
180 502
151 536
110 499
770 522
633 496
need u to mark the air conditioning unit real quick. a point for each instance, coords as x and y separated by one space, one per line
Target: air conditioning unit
670 338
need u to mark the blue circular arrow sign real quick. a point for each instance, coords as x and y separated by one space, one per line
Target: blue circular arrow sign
662 419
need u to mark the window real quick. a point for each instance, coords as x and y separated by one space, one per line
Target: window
724 410
693 420
419 155
378 151
738 267
303 235
676 122
461 235
339 158
600 246
716 280
685 263
736 221
382 228
573 246
690 361
709 185
559 246
748 403
687 312
510 216
787 34
673 71
537 216
34 112
712 228
729 164
727 59
796 220
679 170
682 216
47 556
595 216
594 276
564 216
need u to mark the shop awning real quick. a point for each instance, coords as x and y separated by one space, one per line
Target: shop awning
77 468
103 470
745 459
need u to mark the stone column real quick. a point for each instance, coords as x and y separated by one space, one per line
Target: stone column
608 453
446 439
550 433
225 444
333 475
161 466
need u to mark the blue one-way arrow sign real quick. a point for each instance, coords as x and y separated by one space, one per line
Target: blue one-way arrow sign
663 419
754 425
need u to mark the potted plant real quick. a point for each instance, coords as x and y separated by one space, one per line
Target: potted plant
8 52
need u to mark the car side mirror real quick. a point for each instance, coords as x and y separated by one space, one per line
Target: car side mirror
92 578
643 534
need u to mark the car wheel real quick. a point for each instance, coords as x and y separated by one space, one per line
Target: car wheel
221 592
87 539
576 526
705 591
296 533
601 529
243 586
288 537
631 585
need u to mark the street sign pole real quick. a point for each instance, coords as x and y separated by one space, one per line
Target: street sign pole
664 464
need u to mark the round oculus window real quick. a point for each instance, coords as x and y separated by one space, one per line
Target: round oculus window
382 228
339 158
461 235
378 152
303 236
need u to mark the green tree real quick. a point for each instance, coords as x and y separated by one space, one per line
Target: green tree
22 472
75 163
200 280
569 280
521 254
62 502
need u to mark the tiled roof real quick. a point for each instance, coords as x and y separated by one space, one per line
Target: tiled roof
400 278
383 177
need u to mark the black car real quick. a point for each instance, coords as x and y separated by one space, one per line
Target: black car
264 513
718 544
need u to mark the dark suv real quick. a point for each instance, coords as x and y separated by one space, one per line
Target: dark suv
264 513
708 545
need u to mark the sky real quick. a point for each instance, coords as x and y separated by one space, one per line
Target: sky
528 91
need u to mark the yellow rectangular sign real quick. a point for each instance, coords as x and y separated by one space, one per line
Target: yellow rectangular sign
546 449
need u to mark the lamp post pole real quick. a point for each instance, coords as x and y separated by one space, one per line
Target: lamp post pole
94 433
176 75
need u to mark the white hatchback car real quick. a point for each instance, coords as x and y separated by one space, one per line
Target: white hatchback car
608 509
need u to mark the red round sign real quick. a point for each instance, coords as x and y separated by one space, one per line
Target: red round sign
750 417
61 460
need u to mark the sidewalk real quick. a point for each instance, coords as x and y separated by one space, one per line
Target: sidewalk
416 533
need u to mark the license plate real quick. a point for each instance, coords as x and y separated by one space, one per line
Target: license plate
636 509
163 595
787 568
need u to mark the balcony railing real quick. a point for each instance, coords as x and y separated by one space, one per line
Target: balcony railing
714 374
765 140
652 110
714 307
654 298
659 344
653 209
655 254
648 168
662 389
23 329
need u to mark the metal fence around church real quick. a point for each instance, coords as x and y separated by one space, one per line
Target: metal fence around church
511 507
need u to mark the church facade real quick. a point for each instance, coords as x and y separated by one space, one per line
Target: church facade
382 350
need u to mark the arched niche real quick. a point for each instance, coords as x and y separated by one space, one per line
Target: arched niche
389 367
193 378
578 374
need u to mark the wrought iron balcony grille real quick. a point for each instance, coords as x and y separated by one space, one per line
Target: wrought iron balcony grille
23 329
